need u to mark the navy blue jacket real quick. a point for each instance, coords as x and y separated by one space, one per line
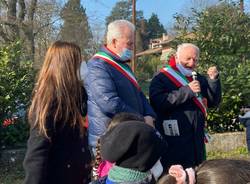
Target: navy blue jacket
109 93
172 103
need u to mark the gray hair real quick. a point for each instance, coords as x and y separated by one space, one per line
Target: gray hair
115 29
185 45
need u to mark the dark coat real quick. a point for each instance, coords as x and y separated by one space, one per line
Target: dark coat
248 134
109 93
171 103
64 159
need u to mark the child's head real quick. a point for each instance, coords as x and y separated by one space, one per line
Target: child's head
223 171
132 144
122 117
213 172
117 119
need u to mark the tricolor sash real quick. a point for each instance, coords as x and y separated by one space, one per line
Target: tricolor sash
124 69
180 80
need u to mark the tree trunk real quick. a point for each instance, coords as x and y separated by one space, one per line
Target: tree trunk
242 6
15 26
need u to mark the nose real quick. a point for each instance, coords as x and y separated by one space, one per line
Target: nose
193 62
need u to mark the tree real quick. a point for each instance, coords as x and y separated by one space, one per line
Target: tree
123 10
32 22
75 27
242 6
184 20
46 27
155 28
17 23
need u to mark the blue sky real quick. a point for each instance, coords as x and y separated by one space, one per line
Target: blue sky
97 10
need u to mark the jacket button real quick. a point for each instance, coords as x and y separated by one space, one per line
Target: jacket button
68 165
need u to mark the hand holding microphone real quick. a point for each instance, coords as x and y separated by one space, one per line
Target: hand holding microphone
195 84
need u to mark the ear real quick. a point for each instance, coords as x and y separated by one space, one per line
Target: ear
176 58
114 42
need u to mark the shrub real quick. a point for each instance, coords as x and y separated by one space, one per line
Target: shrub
16 84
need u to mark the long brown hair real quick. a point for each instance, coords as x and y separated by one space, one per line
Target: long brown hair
57 93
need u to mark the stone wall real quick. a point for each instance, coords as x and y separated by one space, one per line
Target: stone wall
225 142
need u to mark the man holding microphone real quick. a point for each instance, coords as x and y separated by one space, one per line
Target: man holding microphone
180 98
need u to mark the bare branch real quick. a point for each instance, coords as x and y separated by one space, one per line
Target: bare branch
22 10
4 36
32 10
11 8
4 3
45 25
11 21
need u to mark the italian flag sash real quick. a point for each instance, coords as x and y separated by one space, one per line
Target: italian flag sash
180 80
124 69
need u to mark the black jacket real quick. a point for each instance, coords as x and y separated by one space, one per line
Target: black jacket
64 159
172 103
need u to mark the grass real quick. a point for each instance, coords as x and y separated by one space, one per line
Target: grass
13 173
239 153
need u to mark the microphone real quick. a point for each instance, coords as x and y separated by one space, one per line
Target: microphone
194 76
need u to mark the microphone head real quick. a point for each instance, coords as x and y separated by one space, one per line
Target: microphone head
194 73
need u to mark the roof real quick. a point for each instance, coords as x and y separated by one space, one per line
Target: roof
150 51
163 45
157 50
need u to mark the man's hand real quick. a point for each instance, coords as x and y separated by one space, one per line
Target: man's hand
195 86
149 120
212 72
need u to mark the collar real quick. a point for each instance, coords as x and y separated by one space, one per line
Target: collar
172 63
111 54
121 174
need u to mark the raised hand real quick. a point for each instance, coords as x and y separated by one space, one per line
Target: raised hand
212 72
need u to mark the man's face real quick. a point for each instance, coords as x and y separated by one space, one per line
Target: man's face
188 57
125 41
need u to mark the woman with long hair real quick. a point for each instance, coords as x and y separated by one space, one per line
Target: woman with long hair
57 147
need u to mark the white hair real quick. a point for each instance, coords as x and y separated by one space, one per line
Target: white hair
185 45
115 29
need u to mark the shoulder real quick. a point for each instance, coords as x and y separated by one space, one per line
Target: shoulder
95 61
159 77
97 66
